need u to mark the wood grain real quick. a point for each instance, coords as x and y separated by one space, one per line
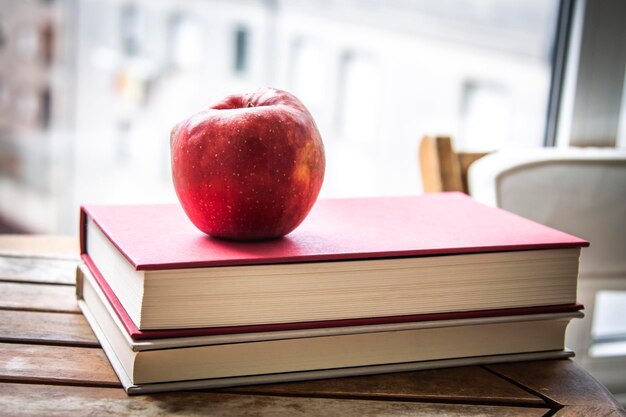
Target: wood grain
53 271
442 168
466 384
38 297
450 168
582 411
440 165
27 400
45 328
465 160
429 165
55 364
562 381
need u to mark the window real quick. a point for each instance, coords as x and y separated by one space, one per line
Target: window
131 29
486 114
241 50
608 328
27 42
358 98
307 72
185 44
375 75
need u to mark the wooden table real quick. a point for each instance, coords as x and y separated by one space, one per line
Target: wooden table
51 364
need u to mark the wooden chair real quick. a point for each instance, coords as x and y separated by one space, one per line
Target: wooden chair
444 169
581 191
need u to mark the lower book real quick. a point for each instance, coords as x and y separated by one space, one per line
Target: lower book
212 362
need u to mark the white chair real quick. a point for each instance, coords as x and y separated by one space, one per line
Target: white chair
581 191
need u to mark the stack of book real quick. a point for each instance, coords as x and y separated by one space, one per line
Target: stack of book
363 286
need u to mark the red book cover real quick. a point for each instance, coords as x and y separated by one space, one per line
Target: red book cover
154 237
137 334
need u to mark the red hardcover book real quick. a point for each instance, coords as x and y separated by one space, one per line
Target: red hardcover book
217 360
137 334
156 237
350 259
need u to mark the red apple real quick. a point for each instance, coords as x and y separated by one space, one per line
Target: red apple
249 167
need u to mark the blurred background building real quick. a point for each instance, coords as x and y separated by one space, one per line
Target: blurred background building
89 89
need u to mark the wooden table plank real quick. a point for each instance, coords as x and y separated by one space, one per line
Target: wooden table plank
466 384
582 411
27 400
55 364
48 379
45 328
38 297
561 381
40 246
53 271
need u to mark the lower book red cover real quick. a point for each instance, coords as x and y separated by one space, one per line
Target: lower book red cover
137 334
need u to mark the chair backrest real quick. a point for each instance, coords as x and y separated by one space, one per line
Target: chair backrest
442 168
581 191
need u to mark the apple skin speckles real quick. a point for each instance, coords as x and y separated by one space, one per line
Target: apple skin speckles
249 167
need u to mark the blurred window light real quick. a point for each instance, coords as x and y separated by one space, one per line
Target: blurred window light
307 72
105 59
376 75
608 329
610 309
185 42
485 116
358 97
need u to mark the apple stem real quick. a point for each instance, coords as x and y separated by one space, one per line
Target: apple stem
250 105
